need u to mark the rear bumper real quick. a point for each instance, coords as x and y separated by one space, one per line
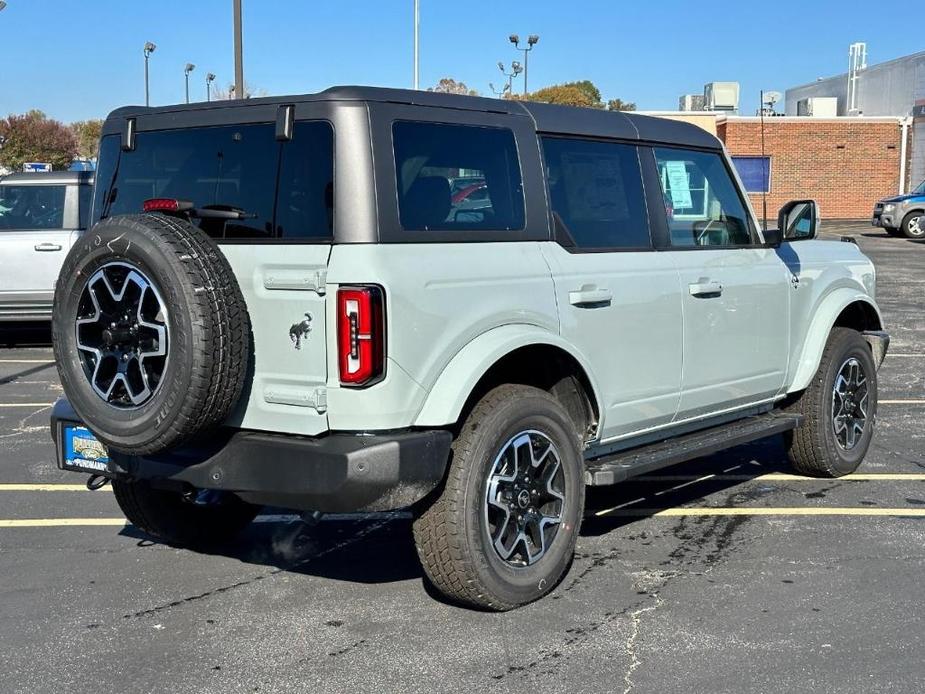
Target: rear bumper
334 473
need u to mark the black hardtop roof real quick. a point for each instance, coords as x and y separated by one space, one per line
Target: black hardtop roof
549 118
49 177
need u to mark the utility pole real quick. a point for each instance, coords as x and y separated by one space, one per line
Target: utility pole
417 44
532 40
238 52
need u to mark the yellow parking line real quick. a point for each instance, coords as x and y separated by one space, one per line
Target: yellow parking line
47 488
765 511
783 477
59 522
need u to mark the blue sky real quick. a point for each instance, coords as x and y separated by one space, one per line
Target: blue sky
78 59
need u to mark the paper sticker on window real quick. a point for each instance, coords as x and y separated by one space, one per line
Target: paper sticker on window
678 184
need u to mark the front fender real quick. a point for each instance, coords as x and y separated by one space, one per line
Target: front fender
824 317
448 396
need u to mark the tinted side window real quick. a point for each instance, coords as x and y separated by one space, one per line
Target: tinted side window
84 196
595 190
457 177
29 208
703 205
305 203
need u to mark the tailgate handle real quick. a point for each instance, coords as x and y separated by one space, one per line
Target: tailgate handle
590 296
46 247
706 289
297 280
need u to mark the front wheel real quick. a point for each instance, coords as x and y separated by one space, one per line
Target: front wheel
914 225
838 408
503 531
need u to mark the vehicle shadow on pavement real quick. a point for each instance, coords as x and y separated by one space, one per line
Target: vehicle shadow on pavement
25 334
380 549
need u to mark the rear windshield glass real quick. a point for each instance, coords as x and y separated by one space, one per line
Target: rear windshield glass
457 178
228 168
31 207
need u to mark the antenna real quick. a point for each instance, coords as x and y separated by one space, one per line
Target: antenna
764 172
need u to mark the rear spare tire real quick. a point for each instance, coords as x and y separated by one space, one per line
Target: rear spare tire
150 331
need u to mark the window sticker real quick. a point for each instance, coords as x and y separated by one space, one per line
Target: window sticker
678 184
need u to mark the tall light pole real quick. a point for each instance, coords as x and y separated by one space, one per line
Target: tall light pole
210 77
148 50
532 40
505 88
188 69
417 44
238 52
2 5
516 69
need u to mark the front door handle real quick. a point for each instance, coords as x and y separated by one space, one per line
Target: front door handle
707 288
47 247
588 295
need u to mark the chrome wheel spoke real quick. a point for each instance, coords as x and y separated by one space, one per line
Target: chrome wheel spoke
524 498
122 335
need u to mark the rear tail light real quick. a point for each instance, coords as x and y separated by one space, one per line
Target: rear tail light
166 205
360 335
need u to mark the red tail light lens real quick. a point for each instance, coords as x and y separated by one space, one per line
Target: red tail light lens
166 205
360 335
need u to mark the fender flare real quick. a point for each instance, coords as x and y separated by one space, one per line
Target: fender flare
830 307
449 393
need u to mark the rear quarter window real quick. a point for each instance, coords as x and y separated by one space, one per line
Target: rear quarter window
457 177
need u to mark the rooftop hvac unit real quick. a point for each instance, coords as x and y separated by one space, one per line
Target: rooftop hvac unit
721 96
818 107
690 102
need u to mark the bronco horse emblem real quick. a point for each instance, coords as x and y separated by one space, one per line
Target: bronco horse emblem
300 331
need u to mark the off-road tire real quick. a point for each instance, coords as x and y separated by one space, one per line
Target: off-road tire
450 535
208 327
168 517
914 231
812 447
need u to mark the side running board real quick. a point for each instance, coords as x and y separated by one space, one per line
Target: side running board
638 461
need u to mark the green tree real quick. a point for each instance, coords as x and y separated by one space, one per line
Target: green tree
88 134
450 86
620 105
33 136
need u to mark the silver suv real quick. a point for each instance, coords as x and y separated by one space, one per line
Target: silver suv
283 302
41 214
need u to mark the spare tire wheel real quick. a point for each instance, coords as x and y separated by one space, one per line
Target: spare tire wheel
151 333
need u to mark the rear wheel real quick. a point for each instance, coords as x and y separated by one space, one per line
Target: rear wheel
193 519
914 225
838 408
503 531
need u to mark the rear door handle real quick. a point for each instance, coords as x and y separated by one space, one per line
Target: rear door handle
590 296
46 247
706 289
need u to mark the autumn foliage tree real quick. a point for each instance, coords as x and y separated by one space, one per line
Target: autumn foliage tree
88 134
582 93
33 136
450 86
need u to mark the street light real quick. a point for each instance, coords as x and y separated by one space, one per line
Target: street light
210 77
148 50
238 49
2 5
188 69
516 69
532 40
417 44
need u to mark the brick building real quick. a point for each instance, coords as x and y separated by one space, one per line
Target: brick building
845 164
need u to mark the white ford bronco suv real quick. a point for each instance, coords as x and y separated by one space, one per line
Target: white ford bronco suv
298 302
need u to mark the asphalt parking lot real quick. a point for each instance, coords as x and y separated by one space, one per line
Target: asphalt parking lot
726 574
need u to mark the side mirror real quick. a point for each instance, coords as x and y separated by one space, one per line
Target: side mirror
798 219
